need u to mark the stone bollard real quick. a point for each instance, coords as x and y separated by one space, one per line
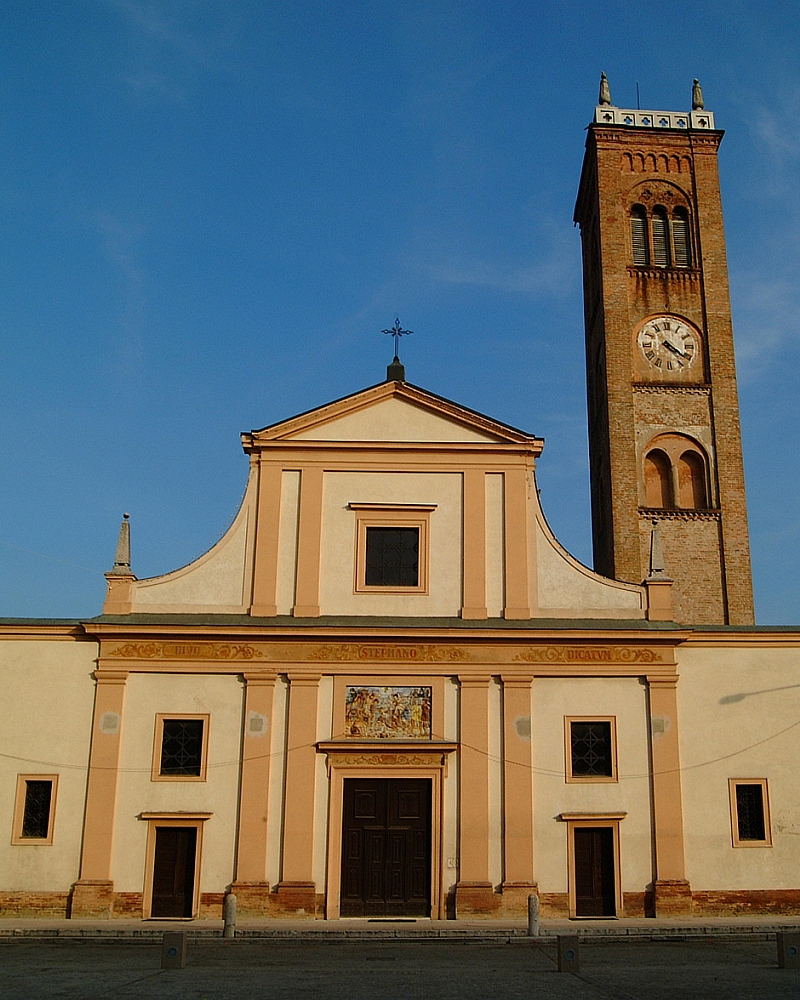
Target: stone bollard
788 949
173 950
533 915
568 957
229 916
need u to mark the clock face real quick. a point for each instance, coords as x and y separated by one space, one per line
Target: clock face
668 344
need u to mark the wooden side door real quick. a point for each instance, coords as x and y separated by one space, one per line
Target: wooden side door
173 871
595 878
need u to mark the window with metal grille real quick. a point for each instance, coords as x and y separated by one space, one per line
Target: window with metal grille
182 748
592 750
680 238
660 224
750 812
36 817
392 558
639 241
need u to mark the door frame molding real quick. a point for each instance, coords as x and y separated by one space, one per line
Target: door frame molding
582 820
384 762
155 820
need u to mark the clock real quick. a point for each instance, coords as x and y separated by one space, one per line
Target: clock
668 344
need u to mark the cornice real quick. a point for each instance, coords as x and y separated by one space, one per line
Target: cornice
678 514
678 388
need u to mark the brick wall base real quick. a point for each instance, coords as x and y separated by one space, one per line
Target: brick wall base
92 899
34 904
745 903
672 898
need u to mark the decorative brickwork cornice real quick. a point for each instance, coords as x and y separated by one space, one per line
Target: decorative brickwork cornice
674 514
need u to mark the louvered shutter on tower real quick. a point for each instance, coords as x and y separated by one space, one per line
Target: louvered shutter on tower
660 238
639 237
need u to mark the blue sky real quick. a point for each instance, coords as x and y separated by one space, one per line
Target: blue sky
210 210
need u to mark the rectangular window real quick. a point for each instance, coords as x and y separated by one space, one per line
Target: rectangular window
35 808
591 750
181 748
750 812
392 547
392 557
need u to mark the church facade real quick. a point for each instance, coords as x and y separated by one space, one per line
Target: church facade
388 691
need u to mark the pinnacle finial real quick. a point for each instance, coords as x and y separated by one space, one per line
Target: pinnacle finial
122 560
605 91
657 569
698 104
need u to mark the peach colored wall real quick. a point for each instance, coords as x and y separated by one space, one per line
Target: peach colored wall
339 542
733 704
277 779
625 698
45 727
146 695
391 420
495 782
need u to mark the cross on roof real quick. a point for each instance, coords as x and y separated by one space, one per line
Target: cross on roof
397 333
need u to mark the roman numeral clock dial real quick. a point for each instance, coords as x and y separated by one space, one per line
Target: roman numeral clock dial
668 345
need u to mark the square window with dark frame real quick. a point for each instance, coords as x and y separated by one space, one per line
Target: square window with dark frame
750 812
182 748
592 748
392 557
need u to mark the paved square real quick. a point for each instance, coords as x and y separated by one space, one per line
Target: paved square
706 970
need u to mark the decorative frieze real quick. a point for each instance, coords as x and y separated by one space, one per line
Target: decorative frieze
588 654
183 651
352 651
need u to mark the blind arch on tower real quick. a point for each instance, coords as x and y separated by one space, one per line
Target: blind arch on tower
675 474
658 479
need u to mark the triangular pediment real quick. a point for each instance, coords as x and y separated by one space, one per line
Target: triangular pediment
393 411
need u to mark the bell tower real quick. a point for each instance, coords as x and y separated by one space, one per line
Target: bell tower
664 436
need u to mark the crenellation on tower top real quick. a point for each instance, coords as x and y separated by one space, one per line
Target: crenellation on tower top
682 121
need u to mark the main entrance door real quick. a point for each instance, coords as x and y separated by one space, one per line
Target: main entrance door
386 848
173 871
595 884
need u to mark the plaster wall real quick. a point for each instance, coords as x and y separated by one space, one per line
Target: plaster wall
45 728
338 551
495 545
565 585
146 695
622 697
450 790
392 419
739 710
324 732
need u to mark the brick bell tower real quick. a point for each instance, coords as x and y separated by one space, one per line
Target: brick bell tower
664 436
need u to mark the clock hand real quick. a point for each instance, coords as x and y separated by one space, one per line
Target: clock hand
671 347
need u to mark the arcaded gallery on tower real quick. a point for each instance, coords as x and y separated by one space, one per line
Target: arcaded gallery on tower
388 690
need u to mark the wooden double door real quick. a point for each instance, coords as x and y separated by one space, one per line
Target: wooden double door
386 848
595 877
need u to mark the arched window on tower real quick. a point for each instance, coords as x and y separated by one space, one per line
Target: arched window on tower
692 481
660 223
681 240
658 479
639 240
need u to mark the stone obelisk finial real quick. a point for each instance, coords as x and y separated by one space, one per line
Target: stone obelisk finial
698 104
122 560
605 91
658 584
120 579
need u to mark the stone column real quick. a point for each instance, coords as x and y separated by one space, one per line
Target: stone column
517 600
297 889
251 886
474 892
309 540
672 892
265 560
474 597
93 893
517 794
